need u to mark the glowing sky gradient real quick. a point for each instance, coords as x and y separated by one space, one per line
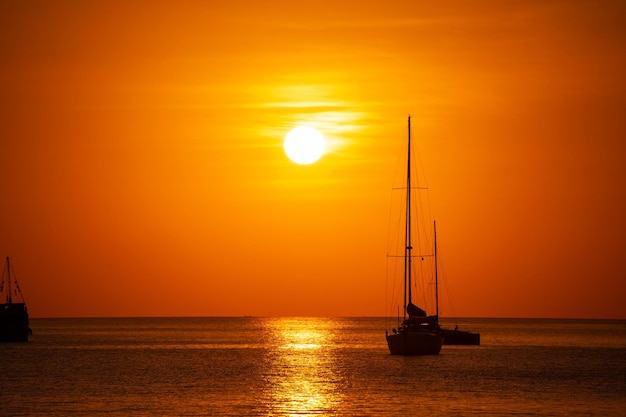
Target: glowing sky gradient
143 172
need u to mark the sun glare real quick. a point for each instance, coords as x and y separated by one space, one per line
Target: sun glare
304 145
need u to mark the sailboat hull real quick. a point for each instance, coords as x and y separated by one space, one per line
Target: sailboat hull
14 325
415 343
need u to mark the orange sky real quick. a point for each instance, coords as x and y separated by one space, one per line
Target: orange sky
143 172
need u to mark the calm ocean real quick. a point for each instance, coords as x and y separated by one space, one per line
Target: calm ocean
310 366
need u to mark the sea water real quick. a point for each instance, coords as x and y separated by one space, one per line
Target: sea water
310 366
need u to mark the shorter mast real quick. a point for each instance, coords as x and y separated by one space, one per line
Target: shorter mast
436 271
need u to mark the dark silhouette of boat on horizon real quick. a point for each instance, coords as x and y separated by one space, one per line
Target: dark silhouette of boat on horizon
419 333
14 324
460 337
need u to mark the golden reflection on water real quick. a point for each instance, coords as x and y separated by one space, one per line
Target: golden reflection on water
302 376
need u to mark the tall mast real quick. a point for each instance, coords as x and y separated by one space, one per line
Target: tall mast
408 248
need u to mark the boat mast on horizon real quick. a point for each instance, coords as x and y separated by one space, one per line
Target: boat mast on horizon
452 336
14 324
418 334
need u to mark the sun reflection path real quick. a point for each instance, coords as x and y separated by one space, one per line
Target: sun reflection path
303 378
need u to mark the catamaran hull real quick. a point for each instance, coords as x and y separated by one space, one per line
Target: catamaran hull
460 337
14 326
415 343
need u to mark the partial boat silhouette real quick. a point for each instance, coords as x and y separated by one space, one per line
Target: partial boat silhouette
453 336
14 324
460 337
419 333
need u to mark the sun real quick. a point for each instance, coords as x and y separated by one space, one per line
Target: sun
304 145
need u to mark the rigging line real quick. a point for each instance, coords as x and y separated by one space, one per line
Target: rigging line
398 175
419 285
443 278
17 289
395 243
394 298
389 228
422 201
420 172
2 281
399 172
386 287
391 294
390 288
